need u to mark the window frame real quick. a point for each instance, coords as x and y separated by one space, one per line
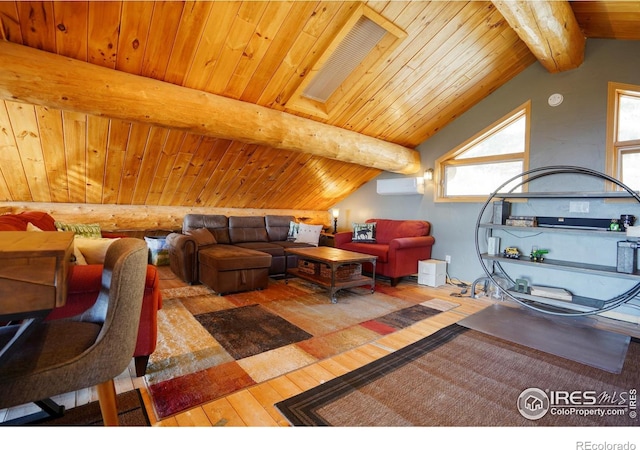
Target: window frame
615 148
448 159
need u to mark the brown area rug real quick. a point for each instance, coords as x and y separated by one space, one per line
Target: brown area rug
250 330
210 346
131 413
461 377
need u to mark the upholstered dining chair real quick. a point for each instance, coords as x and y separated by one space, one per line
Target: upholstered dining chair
88 350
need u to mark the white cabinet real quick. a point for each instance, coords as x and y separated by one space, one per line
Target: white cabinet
432 272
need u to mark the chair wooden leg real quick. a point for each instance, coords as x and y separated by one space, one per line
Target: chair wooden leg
108 407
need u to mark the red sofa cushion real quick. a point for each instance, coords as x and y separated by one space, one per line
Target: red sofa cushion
389 229
18 222
83 288
379 250
9 222
40 219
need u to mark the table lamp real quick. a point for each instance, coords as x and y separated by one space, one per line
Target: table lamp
336 213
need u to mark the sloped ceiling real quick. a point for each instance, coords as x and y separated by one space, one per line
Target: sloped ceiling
255 52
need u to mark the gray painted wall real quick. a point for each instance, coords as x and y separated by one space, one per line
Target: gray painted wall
570 134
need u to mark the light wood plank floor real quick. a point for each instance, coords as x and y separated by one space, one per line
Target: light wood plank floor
254 406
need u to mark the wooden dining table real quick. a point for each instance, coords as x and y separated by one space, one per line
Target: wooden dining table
34 267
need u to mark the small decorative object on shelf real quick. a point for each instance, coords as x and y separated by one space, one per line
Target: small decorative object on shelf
537 254
511 252
614 226
521 221
564 303
626 221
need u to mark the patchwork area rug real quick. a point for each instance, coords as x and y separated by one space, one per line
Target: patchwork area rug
210 346
462 377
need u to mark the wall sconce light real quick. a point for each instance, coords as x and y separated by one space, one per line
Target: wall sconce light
428 175
336 213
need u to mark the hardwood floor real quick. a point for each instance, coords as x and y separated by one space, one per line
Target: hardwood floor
254 406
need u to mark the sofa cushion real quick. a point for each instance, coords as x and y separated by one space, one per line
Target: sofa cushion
379 250
10 222
18 222
247 229
364 232
40 219
202 235
389 229
93 250
83 287
217 224
233 257
271 248
278 227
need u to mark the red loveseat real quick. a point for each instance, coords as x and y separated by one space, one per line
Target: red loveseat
84 285
399 245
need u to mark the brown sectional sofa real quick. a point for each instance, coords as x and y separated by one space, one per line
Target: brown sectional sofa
247 250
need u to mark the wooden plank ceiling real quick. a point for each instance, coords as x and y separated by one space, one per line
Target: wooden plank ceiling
257 52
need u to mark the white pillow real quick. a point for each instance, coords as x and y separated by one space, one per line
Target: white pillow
32 227
76 252
93 249
80 261
309 234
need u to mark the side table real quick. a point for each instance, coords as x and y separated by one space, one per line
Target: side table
327 240
33 277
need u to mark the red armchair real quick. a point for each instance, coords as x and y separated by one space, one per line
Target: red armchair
399 245
84 285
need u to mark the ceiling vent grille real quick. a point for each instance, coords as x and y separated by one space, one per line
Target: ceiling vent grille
349 60
349 54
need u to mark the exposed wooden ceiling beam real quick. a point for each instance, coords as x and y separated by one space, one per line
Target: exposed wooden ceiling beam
36 77
550 30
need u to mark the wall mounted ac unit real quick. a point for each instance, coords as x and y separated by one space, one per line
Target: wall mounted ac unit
401 186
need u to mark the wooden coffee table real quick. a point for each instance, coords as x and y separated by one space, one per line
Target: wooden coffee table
334 258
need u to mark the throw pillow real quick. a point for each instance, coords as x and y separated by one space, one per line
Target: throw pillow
88 230
364 232
94 250
79 257
294 229
309 234
32 227
202 236
77 254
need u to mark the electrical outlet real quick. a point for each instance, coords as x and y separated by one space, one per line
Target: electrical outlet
578 207
448 259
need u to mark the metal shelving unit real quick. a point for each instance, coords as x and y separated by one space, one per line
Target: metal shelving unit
578 307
